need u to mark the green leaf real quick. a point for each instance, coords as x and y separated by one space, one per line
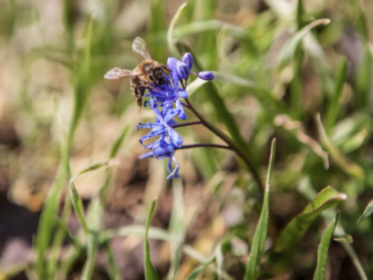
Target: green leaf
158 24
82 83
199 269
337 97
47 222
367 212
260 235
154 233
150 273
78 207
345 164
291 235
170 42
177 226
94 216
344 239
118 143
113 269
322 252
262 94
289 49
210 25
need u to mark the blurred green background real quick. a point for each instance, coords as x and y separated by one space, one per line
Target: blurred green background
278 74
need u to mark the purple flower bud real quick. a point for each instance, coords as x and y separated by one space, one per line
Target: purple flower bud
171 63
188 59
182 70
206 75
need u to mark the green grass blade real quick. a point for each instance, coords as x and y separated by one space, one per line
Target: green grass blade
199 269
94 217
293 232
262 94
345 164
367 212
260 236
158 24
177 226
113 269
345 239
170 42
337 97
308 192
119 141
150 273
78 207
82 83
47 222
322 252
154 233
289 49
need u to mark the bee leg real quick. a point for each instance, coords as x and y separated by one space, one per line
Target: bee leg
164 67
139 103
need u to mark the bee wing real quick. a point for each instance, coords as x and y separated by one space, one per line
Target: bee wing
117 73
140 47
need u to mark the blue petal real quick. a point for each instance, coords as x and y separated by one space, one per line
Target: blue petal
182 94
188 59
175 79
173 174
155 109
171 63
175 138
170 115
180 107
182 70
206 75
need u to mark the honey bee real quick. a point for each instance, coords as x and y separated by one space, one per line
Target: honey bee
147 73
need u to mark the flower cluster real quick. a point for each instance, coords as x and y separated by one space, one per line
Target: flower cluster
165 102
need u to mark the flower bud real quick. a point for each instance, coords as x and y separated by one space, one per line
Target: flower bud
182 70
206 75
188 59
171 63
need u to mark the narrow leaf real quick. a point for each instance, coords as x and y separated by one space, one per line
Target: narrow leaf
82 83
345 239
367 212
119 141
170 41
94 217
322 252
291 46
177 227
260 236
345 164
199 269
150 273
337 97
293 232
47 222
78 207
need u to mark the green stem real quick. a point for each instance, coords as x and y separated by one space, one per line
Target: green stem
239 152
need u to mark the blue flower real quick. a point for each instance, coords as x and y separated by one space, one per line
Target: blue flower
166 95
167 98
206 75
163 125
162 149
188 59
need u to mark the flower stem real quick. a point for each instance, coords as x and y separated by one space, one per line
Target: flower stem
204 145
185 124
239 152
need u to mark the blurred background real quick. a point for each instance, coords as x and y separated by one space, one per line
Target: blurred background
52 92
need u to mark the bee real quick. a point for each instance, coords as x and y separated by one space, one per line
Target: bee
147 74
